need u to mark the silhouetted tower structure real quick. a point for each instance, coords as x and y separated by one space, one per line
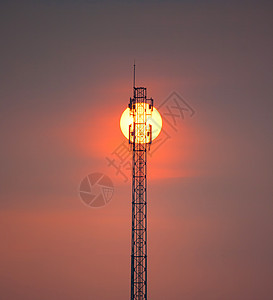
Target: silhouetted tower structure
140 138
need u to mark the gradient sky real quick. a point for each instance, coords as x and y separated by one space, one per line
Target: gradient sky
66 77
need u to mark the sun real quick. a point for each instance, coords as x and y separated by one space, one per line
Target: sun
155 120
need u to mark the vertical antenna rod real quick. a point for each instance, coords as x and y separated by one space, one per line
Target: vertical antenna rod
134 81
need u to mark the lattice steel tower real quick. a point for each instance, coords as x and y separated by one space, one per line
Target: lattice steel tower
140 138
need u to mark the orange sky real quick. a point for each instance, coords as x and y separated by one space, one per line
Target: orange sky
66 79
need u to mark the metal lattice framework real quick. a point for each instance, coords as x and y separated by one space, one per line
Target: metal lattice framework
140 137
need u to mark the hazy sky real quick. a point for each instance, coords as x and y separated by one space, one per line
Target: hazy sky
66 77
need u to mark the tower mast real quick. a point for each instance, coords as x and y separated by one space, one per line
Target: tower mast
140 138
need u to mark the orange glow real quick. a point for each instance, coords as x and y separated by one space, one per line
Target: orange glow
154 120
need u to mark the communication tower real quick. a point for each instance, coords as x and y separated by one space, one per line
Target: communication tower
140 139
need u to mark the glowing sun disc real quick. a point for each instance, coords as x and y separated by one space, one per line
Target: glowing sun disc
155 120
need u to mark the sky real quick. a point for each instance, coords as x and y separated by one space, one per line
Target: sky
66 77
